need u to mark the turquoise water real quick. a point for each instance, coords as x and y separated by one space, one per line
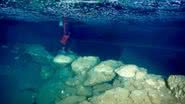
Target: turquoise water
143 45
149 34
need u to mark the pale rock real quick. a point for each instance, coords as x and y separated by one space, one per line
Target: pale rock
140 97
177 86
144 82
83 64
155 81
124 96
103 72
113 96
161 97
77 80
151 82
100 88
118 83
113 63
127 71
140 74
64 59
84 91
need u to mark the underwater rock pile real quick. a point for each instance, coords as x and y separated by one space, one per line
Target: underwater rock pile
73 79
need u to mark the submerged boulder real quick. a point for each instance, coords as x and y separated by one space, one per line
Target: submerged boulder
103 72
140 97
148 82
150 96
101 88
63 59
141 74
83 64
134 77
109 82
155 81
113 63
177 86
113 96
84 91
127 71
75 81
125 96
66 91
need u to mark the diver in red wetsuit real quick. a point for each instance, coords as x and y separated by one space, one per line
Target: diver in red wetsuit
66 35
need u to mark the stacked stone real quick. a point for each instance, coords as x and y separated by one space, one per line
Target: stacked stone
88 80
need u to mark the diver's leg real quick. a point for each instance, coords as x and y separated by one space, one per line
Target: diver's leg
69 46
62 50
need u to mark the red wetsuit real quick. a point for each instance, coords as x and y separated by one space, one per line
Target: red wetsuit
64 39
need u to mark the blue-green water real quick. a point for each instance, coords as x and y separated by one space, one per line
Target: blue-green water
158 46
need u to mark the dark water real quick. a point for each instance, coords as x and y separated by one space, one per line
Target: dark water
158 46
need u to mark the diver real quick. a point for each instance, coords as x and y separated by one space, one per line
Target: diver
66 35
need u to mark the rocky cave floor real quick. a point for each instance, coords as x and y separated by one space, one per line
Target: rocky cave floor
72 79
